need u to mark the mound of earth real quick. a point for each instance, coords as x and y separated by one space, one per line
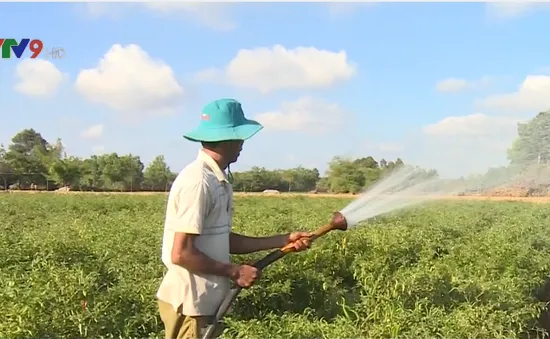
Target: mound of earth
508 192
64 189
520 191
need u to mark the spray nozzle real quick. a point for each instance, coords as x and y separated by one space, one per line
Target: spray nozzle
339 222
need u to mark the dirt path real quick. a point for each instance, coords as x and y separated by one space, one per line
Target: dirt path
319 195
471 197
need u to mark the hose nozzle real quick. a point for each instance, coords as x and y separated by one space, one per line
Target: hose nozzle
339 222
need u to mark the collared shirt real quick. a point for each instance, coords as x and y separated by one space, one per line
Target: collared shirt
200 202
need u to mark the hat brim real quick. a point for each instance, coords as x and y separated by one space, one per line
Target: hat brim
242 132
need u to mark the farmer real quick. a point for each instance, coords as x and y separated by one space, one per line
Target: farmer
198 237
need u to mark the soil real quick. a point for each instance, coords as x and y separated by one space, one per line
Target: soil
456 197
507 195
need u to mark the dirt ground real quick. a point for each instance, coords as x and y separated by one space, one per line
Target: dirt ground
471 197
319 195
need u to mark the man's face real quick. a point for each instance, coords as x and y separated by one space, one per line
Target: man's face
233 150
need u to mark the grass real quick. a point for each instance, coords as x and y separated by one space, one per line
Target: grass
77 266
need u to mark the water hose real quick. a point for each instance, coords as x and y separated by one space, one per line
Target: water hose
338 222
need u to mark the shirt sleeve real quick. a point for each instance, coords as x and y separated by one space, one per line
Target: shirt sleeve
192 205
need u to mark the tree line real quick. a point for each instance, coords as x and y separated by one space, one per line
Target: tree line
31 162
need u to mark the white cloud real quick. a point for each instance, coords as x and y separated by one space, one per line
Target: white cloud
472 143
305 115
458 155
511 10
276 68
454 85
92 132
217 16
37 77
451 85
129 81
105 9
212 15
461 145
532 97
473 125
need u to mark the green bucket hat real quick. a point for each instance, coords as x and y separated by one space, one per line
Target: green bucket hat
223 120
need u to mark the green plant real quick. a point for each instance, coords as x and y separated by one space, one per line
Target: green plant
89 266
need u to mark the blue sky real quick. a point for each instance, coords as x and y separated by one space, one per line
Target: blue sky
437 84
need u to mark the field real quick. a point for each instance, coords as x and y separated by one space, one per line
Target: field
76 266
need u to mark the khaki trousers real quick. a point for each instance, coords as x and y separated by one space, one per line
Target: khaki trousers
179 326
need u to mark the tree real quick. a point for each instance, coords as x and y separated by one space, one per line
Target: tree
25 141
57 151
399 163
367 162
289 176
132 171
25 156
157 174
5 169
532 146
32 159
323 185
66 172
91 174
344 177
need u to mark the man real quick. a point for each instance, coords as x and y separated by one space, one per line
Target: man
198 239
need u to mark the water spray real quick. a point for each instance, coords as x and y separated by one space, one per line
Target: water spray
401 189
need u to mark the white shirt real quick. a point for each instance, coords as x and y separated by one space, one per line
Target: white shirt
200 202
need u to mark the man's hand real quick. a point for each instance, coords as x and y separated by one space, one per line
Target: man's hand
241 244
245 275
301 240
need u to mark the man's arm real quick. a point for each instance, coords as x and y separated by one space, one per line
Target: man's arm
185 254
197 262
192 205
241 244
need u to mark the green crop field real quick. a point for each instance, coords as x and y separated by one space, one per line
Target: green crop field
75 266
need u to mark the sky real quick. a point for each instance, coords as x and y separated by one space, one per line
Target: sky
440 85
